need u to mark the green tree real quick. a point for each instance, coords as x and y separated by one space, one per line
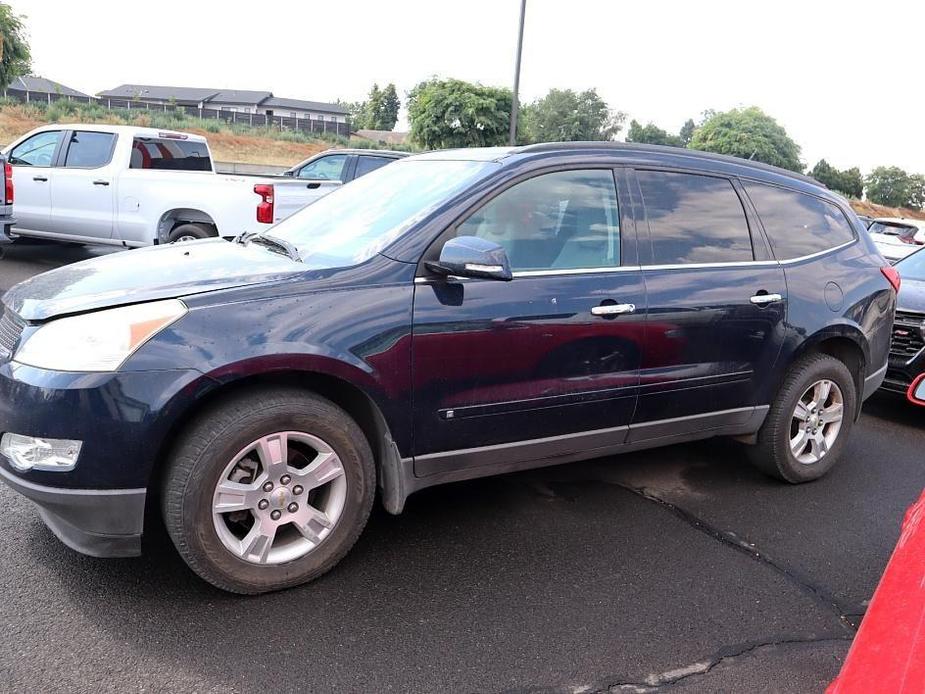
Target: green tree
748 133
15 58
889 185
567 116
378 112
356 113
851 183
916 192
453 113
383 111
651 134
827 175
687 132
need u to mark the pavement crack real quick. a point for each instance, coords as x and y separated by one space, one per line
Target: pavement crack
669 678
819 594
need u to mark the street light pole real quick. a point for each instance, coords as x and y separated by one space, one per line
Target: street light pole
520 47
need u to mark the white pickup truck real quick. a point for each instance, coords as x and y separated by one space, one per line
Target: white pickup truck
131 186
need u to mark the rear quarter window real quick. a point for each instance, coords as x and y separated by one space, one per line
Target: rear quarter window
798 224
170 155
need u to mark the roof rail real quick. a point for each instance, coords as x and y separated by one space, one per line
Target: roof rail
662 149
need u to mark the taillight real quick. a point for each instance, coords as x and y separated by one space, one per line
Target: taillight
8 180
265 207
892 276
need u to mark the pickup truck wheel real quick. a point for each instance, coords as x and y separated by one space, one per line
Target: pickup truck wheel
809 422
191 232
268 491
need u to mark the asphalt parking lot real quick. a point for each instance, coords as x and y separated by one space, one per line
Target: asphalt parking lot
678 569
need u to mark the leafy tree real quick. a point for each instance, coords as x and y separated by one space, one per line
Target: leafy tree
356 113
384 112
651 134
889 185
851 183
687 132
916 192
378 112
748 133
15 58
848 182
453 113
567 116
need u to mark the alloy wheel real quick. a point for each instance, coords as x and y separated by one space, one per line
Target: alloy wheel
816 422
279 498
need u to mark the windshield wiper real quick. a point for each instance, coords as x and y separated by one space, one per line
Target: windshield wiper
272 243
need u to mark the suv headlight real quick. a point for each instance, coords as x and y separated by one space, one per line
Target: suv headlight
98 341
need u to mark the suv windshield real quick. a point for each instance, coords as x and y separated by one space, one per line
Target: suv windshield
912 267
353 223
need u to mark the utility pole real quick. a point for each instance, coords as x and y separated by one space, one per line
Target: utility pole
520 47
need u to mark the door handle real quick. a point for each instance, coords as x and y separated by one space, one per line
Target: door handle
765 299
100 182
613 309
39 178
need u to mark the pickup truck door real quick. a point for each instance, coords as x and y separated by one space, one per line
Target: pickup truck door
32 161
83 189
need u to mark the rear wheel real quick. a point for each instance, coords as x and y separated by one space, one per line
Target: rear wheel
809 422
191 232
268 491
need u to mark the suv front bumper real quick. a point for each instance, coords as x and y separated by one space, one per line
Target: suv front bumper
98 522
122 418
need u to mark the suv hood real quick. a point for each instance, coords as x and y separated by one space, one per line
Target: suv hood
911 295
147 274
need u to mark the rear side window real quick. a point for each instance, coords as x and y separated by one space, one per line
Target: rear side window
798 224
694 219
89 150
170 155
366 164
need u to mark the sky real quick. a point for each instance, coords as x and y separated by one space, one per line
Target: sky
845 79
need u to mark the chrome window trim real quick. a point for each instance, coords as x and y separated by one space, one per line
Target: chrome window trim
677 266
819 253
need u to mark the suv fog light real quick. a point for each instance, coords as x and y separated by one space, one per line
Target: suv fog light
32 453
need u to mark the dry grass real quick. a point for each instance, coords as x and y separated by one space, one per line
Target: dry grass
872 210
226 146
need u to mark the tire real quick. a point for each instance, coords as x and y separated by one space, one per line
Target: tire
774 454
212 541
191 232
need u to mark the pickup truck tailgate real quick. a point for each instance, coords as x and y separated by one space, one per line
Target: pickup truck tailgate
291 195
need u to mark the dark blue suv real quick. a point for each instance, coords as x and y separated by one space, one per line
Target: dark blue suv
453 315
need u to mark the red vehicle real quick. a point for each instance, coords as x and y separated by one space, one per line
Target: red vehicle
888 654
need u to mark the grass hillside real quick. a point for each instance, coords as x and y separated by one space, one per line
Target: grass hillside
228 143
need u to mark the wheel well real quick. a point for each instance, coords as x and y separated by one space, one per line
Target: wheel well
345 395
172 219
848 353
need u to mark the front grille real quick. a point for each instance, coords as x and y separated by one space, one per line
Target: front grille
907 339
10 331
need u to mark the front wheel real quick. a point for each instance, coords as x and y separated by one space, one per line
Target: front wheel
809 422
268 491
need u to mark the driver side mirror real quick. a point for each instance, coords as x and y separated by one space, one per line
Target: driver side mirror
916 393
289 173
471 256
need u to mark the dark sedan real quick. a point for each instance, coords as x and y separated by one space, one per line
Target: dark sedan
907 350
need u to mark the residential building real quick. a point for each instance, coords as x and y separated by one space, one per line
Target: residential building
34 88
236 100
